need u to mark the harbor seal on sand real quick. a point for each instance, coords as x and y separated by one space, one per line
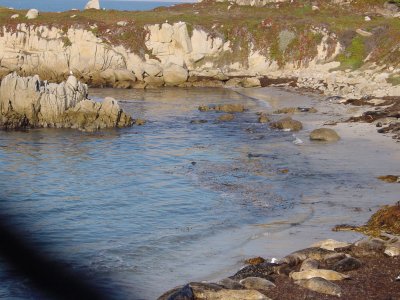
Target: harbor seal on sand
257 283
347 264
326 274
321 285
309 264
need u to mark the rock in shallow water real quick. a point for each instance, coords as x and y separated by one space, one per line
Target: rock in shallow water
287 124
28 102
324 134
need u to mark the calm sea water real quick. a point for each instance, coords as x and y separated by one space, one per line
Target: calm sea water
61 5
144 209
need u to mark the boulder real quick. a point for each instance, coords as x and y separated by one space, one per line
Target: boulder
251 82
15 16
324 134
28 102
93 4
287 124
174 74
32 14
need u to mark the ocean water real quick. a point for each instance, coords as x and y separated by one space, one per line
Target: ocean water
61 5
143 209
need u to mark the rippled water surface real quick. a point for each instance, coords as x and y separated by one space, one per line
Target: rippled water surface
146 208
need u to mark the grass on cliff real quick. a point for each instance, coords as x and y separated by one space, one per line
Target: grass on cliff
261 27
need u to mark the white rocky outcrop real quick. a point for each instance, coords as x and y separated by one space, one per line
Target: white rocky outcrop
93 4
30 102
176 56
32 14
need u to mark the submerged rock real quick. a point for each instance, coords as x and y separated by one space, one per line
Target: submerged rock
390 178
28 102
227 108
226 118
324 134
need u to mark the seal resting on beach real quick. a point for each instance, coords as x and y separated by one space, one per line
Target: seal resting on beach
326 274
321 285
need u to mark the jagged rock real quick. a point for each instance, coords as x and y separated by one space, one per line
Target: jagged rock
287 124
185 293
321 285
324 134
27 102
32 14
174 74
93 4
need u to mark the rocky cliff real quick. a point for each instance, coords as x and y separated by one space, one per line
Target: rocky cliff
338 50
28 102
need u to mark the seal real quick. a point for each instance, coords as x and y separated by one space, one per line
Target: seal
257 283
347 264
326 274
314 252
321 285
309 264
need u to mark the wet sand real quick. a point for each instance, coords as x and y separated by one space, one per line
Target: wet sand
362 154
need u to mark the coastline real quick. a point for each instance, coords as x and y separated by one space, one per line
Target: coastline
315 217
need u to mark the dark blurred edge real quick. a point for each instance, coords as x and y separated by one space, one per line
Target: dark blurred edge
46 274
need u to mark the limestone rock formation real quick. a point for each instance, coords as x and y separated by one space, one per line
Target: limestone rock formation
28 102
174 74
32 14
93 4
